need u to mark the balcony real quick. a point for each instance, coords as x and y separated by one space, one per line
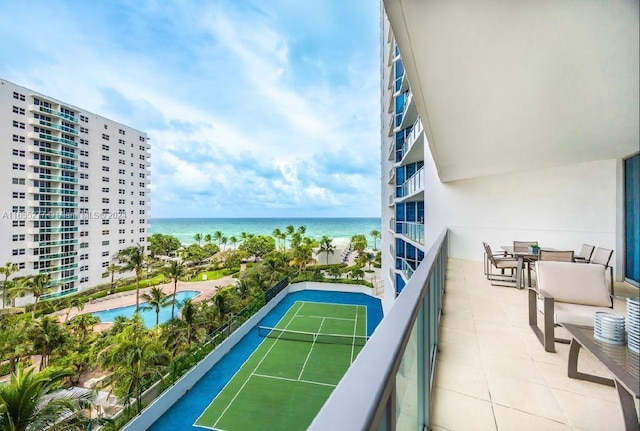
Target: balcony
392 198
409 112
57 178
54 256
35 230
413 187
52 165
51 138
476 366
413 148
52 126
406 270
411 230
47 150
53 204
38 108
392 175
52 191
58 294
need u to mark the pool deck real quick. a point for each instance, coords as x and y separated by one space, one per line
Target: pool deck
207 288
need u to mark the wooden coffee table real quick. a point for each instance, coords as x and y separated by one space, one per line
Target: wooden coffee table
618 359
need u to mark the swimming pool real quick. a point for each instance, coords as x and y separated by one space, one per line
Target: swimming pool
149 316
182 415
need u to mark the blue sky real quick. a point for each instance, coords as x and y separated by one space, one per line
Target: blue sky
254 108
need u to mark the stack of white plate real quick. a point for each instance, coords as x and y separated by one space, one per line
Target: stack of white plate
633 329
608 328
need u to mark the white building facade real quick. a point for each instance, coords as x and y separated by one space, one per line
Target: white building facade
74 187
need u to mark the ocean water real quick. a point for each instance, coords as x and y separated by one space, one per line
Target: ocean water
337 228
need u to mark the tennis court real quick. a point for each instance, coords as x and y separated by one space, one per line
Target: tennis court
287 379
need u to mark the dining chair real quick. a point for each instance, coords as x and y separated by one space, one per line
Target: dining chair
551 256
586 251
523 247
602 256
501 262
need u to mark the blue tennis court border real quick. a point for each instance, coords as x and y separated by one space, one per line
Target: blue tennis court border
183 414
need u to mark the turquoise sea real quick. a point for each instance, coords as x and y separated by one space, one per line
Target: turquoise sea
185 228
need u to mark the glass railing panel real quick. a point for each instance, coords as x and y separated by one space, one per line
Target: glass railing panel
407 386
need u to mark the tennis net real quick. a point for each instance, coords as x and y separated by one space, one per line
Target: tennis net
312 337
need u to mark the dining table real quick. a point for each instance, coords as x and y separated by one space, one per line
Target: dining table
521 255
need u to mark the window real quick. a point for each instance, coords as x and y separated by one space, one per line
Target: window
105 168
84 244
141 211
121 171
106 231
82 186
20 181
142 139
21 265
105 200
84 268
84 164
105 158
84 141
17 110
141 230
141 175
106 138
84 221
84 233
105 221
122 132
105 253
105 242
121 221
84 119
121 181
84 176
86 279
19 153
84 153
142 148
105 179
18 167
84 198
18 237
19 125
18 251
18 96
105 264
122 162
18 195
18 223
17 138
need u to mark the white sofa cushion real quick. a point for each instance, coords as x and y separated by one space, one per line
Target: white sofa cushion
574 283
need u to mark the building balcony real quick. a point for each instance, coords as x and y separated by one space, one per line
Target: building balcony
46 150
466 360
35 230
392 198
59 294
54 256
57 178
52 165
409 112
413 148
392 175
406 270
53 204
49 111
60 268
53 126
413 188
51 138
411 230
52 191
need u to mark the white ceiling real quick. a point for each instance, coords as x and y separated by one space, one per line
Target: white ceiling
509 85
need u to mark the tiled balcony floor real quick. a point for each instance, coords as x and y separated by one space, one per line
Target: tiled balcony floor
493 374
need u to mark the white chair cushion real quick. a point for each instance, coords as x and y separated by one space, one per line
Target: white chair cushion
574 283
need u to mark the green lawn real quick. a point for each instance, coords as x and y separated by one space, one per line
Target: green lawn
284 383
211 275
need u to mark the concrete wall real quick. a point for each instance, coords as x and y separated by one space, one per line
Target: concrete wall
158 407
560 207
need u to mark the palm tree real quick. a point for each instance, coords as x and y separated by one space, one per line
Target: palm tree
217 235
188 316
277 234
207 238
36 285
155 300
326 246
6 270
222 302
233 240
31 402
198 237
375 234
134 357
288 231
75 301
223 241
47 336
175 270
14 342
132 259
112 269
82 325
243 236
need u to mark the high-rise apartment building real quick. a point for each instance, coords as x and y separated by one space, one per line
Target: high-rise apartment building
403 192
74 189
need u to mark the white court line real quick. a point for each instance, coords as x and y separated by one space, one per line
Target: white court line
293 380
324 317
248 378
311 349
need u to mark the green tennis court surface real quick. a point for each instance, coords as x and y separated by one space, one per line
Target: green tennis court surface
290 375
